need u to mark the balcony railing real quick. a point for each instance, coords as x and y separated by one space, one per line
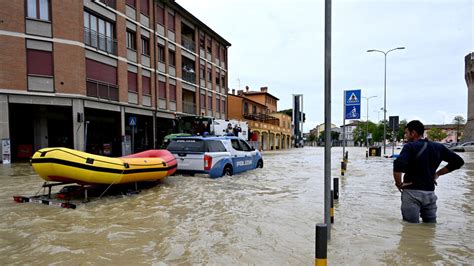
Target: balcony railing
102 90
189 76
110 3
263 118
100 41
188 43
189 107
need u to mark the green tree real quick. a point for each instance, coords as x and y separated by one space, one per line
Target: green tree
458 121
401 130
436 134
377 135
360 132
334 136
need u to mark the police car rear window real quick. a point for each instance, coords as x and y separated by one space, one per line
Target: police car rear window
215 146
186 145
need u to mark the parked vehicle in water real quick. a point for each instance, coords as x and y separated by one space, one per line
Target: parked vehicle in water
215 156
466 146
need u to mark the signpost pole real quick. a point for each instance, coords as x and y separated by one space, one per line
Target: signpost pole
132 122
133 139
327 117
344 125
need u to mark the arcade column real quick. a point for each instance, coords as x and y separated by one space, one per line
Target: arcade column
78 124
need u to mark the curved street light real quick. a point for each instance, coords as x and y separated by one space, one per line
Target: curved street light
367 123
385 92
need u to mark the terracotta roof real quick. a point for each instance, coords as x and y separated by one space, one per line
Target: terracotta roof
260 92
247 99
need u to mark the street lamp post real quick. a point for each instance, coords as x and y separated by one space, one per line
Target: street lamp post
385 92
367 123
378 114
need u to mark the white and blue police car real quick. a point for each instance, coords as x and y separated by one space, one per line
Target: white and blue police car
215 156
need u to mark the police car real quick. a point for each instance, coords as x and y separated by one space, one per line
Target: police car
215 156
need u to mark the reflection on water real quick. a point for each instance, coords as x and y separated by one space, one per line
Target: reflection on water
416 245
266 216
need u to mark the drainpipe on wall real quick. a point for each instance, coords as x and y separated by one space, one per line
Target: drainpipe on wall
156 76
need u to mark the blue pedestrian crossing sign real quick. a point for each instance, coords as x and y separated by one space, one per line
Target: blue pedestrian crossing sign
132 121
352 97
352 104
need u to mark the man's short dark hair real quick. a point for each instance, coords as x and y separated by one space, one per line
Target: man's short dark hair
416 126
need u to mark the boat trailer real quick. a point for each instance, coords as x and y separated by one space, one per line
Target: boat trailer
70 196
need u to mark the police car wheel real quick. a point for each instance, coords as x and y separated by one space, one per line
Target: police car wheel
227 170
260 164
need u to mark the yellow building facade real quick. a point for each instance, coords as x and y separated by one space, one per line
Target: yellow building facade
269 130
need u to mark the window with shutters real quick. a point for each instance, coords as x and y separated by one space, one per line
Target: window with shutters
130 3
209 102
146 89
171 22
40 62
160 15
161 89
144 8
132 82
172 93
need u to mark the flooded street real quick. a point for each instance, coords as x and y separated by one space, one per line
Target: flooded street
265 216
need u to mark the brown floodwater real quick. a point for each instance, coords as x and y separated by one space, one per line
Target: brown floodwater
265 216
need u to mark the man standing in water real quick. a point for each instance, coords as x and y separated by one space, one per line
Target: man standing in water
419 160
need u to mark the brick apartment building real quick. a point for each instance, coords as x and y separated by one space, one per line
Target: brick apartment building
78 73
272 130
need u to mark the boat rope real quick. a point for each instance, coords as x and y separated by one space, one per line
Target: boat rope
163 163
82 157
113 183
42 187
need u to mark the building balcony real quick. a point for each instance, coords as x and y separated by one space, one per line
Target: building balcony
102 90
264 118
109 3
188 43
100 41
189 76
189 107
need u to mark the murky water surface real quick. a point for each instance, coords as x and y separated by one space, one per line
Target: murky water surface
266 216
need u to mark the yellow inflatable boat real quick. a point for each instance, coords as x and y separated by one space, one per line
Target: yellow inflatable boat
72 166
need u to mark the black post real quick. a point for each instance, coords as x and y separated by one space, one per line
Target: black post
321 244
336 188
332 206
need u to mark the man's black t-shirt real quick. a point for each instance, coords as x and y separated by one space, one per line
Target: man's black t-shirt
420 159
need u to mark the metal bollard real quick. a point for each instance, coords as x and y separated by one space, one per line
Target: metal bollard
336 187
343 167
332 207
321 245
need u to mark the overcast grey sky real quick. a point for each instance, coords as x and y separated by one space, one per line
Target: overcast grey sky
280 44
